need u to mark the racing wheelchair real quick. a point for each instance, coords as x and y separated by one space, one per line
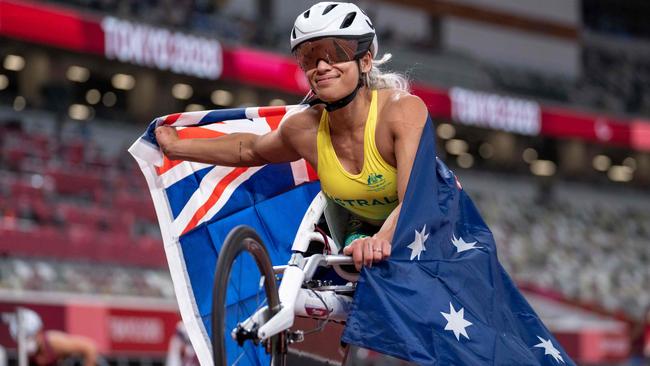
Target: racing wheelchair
317 283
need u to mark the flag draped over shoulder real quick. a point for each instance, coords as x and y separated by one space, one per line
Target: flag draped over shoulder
198 204
443 298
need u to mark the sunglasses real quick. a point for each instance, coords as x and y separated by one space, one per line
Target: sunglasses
329 49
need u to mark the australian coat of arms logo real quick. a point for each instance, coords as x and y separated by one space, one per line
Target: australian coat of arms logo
376 182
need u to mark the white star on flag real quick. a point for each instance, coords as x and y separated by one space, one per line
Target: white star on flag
549 349
456 321
461 245
417 246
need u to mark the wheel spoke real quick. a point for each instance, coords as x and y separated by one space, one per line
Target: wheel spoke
239 358
243 289
239 295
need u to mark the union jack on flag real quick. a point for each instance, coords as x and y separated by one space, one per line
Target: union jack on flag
198 204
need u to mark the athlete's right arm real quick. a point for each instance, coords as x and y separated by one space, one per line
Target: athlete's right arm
236 149
68 345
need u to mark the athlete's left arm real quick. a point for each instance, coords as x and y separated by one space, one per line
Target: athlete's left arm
65 344
406 115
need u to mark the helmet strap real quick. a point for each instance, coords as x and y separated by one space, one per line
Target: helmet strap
332 106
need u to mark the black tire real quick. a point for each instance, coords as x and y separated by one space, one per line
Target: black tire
240 240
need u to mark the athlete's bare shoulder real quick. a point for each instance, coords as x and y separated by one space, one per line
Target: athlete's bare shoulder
302 120
299 130
401 109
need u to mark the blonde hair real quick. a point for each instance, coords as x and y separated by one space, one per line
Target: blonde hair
377 79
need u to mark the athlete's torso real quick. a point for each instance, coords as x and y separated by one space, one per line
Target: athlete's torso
302 129
361 181
45 356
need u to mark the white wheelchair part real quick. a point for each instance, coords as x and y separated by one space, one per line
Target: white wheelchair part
336 218
331 304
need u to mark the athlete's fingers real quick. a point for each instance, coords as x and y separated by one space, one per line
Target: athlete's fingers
368 255
357 256
386 248
165 135
377 250
355 249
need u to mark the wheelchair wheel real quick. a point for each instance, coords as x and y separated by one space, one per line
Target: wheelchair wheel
242 268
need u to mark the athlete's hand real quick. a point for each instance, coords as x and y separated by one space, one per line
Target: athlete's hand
166 136
368 250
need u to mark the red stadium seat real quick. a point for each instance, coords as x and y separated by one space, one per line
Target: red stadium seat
75 183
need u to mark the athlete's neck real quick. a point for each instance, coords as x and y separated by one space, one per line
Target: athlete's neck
352 115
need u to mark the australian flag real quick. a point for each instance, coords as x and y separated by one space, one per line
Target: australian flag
443 298
198 204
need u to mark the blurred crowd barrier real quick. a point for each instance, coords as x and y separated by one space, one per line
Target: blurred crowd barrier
84 278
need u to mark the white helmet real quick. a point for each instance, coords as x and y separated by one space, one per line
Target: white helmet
31 323
336 19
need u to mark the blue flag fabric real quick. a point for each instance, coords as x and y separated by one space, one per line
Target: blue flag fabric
198 204
443 298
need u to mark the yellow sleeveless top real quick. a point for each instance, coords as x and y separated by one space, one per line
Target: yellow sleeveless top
371 194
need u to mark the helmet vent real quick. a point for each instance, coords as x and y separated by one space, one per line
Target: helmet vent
329 8
369 24
293 33
348 20
306 14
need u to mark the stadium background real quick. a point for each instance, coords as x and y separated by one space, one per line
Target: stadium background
542 110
